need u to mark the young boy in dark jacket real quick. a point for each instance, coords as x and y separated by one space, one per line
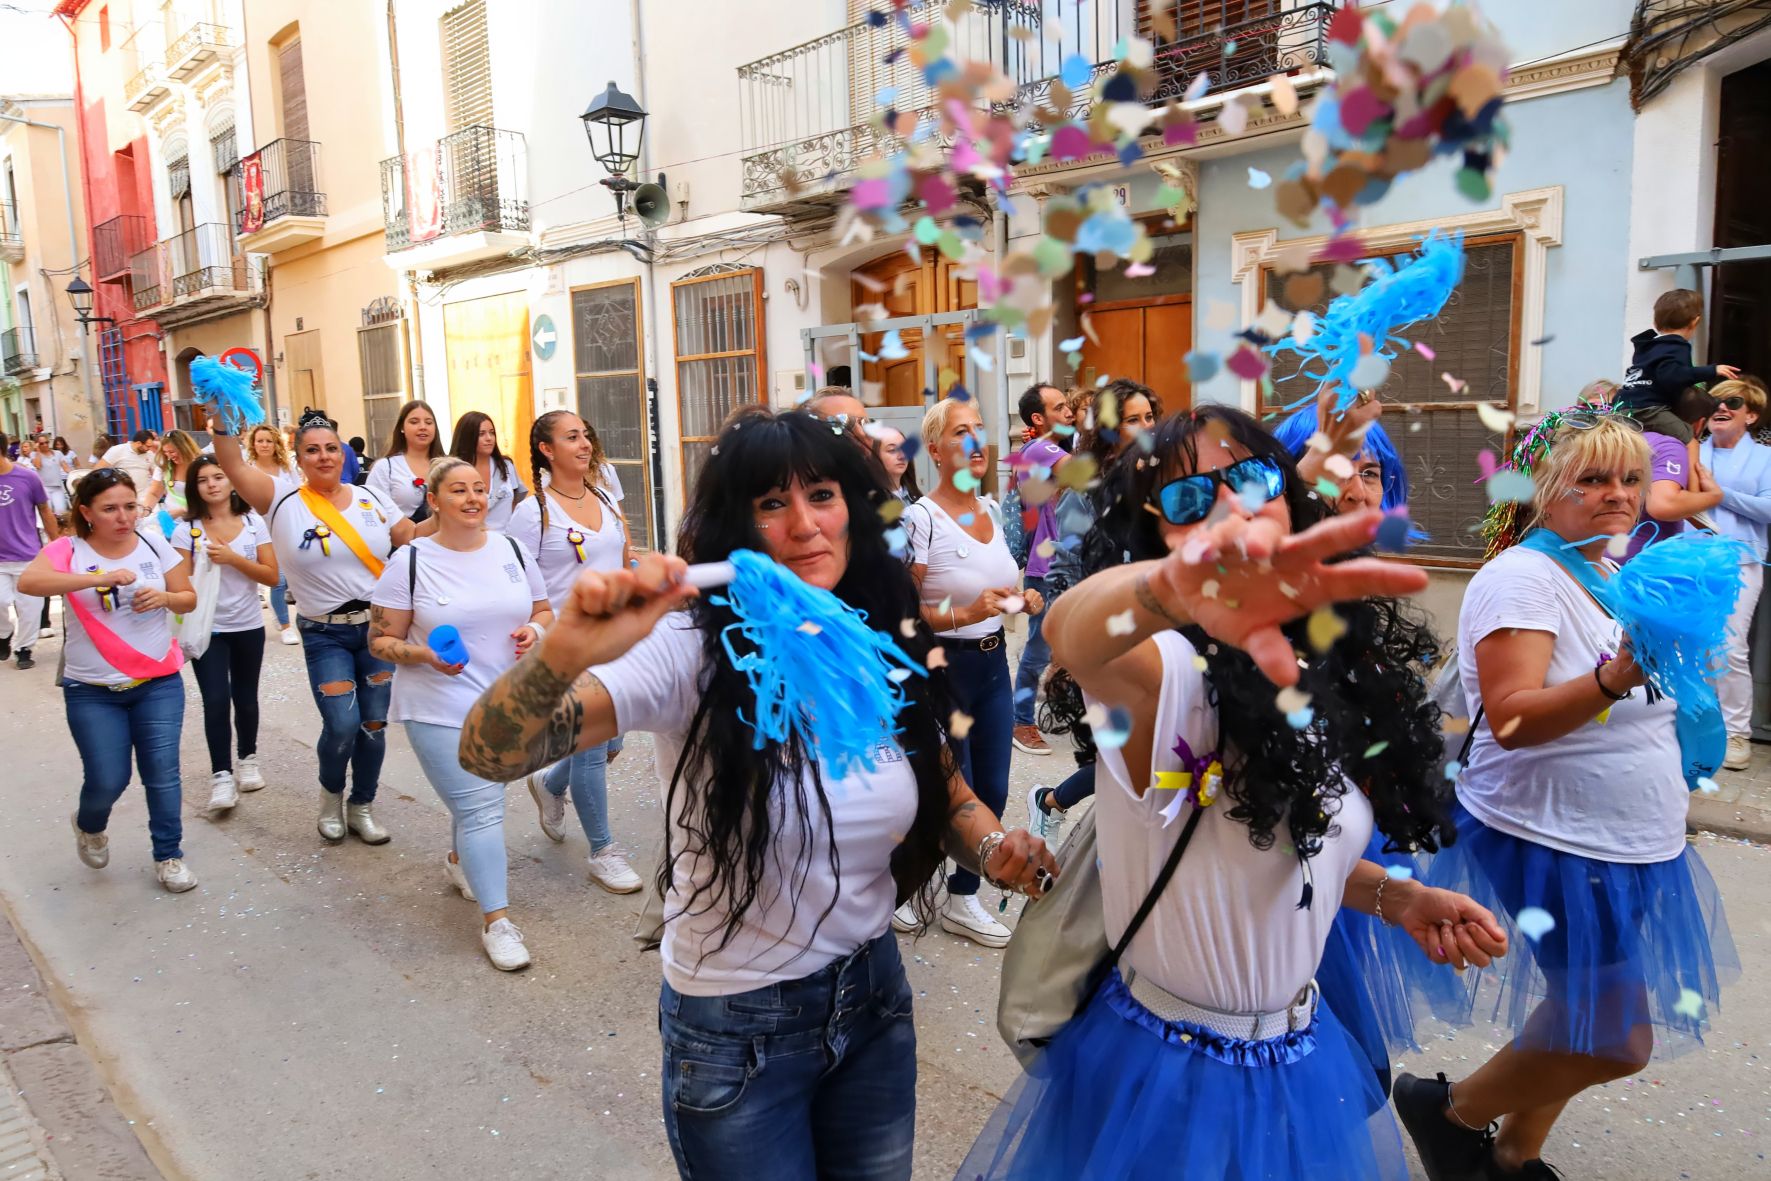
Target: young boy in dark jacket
1661 369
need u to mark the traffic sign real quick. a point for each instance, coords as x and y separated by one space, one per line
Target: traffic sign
544 337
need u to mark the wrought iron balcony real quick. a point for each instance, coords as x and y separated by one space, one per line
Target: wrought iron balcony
277 192
473 182
145 87
808 112
18 351
197 272
115 241
12 239
197 46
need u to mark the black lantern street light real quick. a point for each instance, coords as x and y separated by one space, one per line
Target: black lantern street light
615 124
80 294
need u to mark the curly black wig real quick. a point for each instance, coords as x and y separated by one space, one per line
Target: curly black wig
721 787
1372 723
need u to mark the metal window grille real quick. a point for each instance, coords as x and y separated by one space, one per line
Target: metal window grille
378 358
612 395
467 66
718 326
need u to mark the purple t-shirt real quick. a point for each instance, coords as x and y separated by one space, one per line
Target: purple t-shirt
1041 457
20 493
1668 459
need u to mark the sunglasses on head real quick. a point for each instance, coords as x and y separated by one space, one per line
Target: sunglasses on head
1188 499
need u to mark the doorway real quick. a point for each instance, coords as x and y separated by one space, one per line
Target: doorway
1140 326
1740 292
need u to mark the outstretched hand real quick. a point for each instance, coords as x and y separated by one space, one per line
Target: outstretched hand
1243 578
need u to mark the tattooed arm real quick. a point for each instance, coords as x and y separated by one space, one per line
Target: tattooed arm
387 640
1017 860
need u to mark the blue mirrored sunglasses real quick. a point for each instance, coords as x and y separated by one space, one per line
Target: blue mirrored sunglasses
1189 498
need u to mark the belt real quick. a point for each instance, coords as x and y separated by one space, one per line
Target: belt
1254 1027
352 617
989 643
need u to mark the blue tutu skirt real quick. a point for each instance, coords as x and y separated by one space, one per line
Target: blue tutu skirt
1122 1095
1633 946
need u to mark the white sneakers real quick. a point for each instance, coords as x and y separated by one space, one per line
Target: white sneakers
94 847
965 916
331 823
458 878
247 775
907 919
1740 753
289 635
551 807
223 795
610 870
175 875
360 819
504 946
1047 826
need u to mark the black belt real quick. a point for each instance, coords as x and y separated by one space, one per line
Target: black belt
989 643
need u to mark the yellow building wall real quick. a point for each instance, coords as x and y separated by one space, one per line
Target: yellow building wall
324 290
487 344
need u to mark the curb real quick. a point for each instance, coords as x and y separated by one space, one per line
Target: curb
55 1101
1737 819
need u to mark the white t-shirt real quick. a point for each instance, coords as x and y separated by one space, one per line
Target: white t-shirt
486 594
237 609
325 577
558 552
501 495
394 478
139 465
1227 932
1615 792
960 567
656 687
149 633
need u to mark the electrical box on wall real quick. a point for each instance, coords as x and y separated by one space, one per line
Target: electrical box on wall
1020 357
790 387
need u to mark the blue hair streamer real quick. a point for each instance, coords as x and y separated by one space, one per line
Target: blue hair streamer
1398 295
816 667
229 389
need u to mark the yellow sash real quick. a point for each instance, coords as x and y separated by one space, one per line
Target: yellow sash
342 529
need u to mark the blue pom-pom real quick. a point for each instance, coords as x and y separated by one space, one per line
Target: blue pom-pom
229 389
1674 599
815 666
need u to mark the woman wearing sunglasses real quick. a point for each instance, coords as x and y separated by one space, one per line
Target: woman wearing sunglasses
966 577
1213 1008
1742 468
120 684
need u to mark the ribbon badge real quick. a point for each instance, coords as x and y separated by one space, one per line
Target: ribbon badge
318 533
418 482
107 595
1198 782
576 538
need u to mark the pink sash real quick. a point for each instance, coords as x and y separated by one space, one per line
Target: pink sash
111 647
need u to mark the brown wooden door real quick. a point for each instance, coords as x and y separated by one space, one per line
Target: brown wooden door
1148 344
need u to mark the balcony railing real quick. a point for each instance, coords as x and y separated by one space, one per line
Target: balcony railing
281 179
18 351
474 180
145 87
115 241
201 261
807 112
199 44
12 239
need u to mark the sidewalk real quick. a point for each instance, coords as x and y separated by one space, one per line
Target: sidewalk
57 1119
1742 806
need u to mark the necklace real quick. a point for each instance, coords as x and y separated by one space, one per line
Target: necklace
557 491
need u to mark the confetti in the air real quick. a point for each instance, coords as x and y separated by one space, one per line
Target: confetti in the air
1534 922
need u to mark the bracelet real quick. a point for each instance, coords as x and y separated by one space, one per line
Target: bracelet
1377 905
1608 693
540 630
986 850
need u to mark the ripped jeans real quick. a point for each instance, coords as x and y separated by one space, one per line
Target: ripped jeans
352 689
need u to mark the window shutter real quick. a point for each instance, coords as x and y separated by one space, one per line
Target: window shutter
225 150
467 66
178 177
294 92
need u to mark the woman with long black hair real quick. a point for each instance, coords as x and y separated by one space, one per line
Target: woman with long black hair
412 446
1213 1011
785 1011
476 442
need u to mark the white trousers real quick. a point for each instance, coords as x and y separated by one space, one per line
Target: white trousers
1736 686
29 608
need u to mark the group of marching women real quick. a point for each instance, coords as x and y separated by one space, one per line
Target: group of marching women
1272 820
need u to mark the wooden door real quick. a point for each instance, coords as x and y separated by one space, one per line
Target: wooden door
1147 344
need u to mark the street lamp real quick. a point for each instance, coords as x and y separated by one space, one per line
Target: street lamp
80 294
608 122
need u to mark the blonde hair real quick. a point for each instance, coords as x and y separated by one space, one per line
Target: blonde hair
440 468
185 446
934 422
279 447
1751 391
1608 445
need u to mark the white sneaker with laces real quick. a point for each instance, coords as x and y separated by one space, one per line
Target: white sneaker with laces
290 637
965 916
1048 826
223 794
247 774
1740 753
610 870
551 807
907 919
458 878
94 847
175 875
504 946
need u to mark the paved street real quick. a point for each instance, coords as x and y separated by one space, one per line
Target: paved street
315 1012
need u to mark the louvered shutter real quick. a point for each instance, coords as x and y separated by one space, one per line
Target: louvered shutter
467 66
294 91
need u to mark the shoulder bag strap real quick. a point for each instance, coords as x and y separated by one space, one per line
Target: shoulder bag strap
411 574
1149 904
518 551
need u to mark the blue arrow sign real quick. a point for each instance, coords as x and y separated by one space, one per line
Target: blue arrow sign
544 337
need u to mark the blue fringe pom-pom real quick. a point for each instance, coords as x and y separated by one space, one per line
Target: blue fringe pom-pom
1398 296
229 389
1674 599
816 667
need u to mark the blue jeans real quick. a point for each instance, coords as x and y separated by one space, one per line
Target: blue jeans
353 719
815 1076
1034 657
280 601
476 806
107 726
587 774
979 687
1075 789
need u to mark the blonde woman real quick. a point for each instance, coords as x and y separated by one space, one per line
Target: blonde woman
267 452
177 452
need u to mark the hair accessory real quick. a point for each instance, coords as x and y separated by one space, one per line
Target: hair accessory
229 389
1506 521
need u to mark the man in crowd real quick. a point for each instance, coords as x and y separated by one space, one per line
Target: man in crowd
137 458
23 503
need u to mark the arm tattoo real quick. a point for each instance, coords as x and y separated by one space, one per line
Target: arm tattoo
960 845
530 717
1148 601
